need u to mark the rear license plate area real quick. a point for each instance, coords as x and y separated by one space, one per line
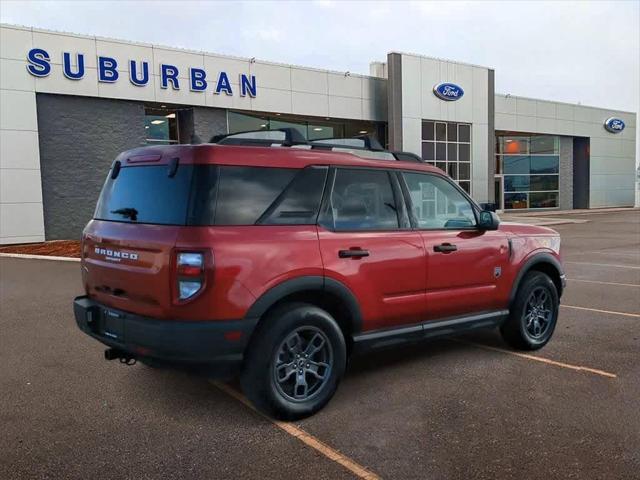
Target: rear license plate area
112 324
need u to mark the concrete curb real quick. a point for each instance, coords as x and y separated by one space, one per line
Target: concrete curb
38 257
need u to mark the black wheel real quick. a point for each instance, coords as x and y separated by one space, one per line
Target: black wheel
294 362
534 313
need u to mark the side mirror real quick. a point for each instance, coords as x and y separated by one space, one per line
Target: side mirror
488 220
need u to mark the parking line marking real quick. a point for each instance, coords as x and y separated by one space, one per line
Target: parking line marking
636 315
604 283
604 265
306 438
542 360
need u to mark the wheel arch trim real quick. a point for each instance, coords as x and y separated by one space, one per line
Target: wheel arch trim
527 266
310 283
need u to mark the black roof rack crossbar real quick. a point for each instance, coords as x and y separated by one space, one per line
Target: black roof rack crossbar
293 137
407 157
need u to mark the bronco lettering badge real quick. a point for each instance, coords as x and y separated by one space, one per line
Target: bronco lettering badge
116 255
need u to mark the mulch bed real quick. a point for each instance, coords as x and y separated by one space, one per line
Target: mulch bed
55 248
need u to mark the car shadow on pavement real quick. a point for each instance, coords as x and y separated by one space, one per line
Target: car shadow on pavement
409 354
190 395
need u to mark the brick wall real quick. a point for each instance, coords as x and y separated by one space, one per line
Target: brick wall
79 138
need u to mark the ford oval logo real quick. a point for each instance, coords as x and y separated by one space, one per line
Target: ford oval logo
448 91
614 125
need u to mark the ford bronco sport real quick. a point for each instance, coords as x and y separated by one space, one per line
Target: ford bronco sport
278 262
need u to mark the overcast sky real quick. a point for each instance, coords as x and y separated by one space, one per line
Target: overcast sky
585 52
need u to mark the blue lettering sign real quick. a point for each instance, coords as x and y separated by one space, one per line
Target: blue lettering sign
39 65
74 68
169 73
133 73
197 80
107 70
448 91
247 85
223 84
66 66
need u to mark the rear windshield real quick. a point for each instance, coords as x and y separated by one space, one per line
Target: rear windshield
212 195
146 194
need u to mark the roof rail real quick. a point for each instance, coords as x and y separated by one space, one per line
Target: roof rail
291 137
369 142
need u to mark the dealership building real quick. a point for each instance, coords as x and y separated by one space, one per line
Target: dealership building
70 103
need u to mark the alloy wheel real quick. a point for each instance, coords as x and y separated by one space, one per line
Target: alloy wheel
302 364
538 312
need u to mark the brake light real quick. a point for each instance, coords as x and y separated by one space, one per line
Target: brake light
190 273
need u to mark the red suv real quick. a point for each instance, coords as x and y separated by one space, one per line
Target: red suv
278 262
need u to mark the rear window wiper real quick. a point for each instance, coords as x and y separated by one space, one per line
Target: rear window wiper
130 213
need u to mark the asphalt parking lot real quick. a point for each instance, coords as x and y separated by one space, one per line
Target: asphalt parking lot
462 408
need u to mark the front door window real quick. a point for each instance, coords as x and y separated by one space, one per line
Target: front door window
437 203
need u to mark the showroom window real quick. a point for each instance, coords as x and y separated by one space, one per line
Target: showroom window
160 126
310 128
447 145
530 167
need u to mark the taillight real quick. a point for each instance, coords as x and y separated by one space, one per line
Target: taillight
190 274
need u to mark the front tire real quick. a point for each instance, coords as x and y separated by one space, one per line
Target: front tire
294 362
534 313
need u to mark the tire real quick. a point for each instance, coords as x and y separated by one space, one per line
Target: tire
533 314
276 376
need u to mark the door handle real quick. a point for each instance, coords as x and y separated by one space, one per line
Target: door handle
445 248
353 253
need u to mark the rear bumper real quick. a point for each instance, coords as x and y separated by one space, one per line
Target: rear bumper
170 341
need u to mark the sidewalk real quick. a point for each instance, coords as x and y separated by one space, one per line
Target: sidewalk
552 217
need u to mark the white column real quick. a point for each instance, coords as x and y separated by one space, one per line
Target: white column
21 215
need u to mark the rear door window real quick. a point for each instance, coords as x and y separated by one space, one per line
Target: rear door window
361 200
146 194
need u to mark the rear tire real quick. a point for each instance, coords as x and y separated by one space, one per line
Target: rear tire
534 313
294 362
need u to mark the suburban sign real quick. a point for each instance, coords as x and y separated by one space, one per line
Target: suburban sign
614 125
73 68
448 91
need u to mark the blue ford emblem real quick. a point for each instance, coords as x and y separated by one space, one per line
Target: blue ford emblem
614 125
448 91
